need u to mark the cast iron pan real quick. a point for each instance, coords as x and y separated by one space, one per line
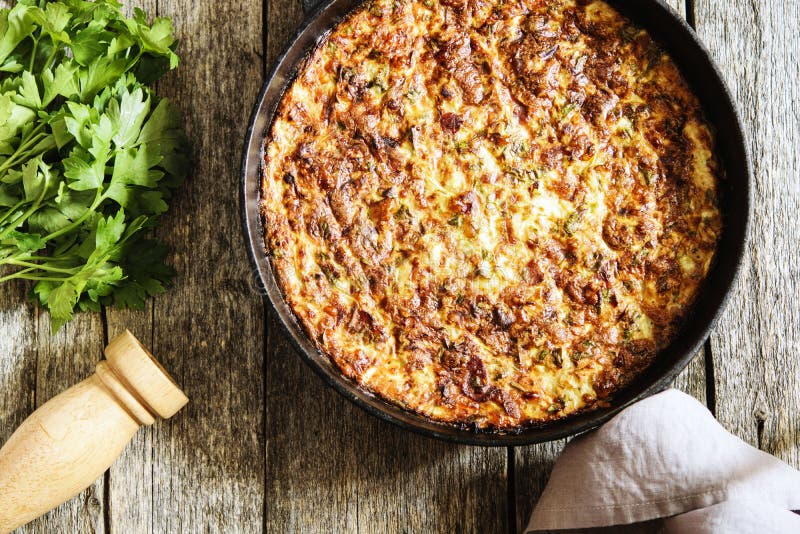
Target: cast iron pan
677 38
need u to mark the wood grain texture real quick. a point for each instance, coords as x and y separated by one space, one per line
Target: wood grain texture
692 380
18 351
64 360
333 468
129 506
756 367
532 465
208 463
130 479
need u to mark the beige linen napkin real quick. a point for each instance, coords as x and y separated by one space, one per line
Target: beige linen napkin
667 457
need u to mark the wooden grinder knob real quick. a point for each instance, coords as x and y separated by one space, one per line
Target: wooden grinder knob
73 438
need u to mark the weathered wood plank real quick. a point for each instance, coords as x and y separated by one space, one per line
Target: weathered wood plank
693 379
130 479
207 463
333 468
756 367
64 360
129 506
17 357
18 352
532 465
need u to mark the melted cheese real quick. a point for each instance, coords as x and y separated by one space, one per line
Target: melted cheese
490 213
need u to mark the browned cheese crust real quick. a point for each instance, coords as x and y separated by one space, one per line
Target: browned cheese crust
492 213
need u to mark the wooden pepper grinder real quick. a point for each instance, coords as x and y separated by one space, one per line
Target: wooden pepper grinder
73 438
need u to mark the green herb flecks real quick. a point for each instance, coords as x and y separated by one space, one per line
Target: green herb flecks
572 223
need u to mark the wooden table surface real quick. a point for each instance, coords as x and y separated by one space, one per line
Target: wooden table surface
264 445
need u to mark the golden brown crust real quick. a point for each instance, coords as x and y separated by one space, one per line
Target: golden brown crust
490 213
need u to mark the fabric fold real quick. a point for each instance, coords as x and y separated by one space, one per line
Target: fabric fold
661 457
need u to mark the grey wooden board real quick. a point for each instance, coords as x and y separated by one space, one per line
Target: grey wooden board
67 358
755 346
264 444
130 479
18 357
208 463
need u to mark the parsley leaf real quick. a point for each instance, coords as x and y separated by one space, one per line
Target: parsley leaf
89 156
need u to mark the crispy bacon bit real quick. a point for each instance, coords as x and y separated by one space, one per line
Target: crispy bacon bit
450 122
509 404
456 56
448 390
475 385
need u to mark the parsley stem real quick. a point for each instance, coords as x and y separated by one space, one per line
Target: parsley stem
18 274
30 211
63 257
77 222
12 210
44 267
24 216
33 137
33 52
24 275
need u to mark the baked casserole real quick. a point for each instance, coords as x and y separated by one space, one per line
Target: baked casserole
493 213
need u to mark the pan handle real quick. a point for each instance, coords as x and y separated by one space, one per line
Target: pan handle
310 5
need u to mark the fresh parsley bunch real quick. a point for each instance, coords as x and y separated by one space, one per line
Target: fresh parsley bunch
88 154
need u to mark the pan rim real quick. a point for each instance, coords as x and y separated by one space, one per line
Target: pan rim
281 75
